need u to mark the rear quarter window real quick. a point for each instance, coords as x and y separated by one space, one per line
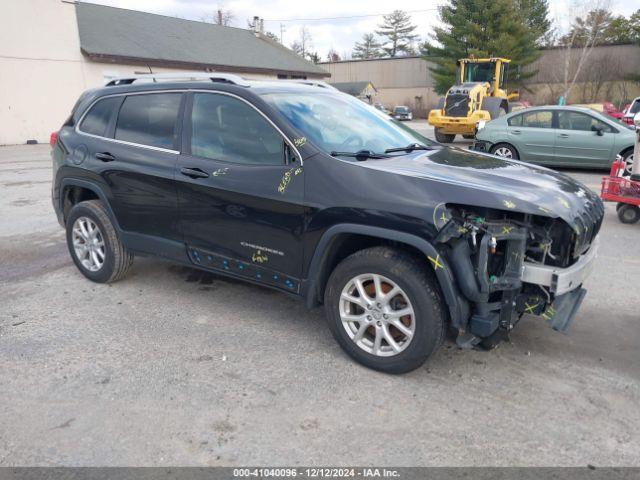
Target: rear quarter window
149 119
96 121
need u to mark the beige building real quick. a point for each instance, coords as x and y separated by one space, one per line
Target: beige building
398 81
52 50
408 80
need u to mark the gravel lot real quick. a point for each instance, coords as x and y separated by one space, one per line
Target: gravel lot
172 366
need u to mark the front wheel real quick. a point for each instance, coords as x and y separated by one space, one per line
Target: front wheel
444 137
384 309
504 150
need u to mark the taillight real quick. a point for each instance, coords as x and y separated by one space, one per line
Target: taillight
52 138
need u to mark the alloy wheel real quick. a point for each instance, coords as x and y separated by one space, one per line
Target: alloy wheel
503 152
377 315
88 244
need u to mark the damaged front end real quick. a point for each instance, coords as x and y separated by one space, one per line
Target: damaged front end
507 263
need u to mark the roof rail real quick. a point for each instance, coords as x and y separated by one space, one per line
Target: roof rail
179 76
313 83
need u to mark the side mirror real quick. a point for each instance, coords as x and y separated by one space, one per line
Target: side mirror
636 120
599 130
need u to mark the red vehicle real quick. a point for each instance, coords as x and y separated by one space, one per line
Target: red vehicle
611 110
616 188
630 111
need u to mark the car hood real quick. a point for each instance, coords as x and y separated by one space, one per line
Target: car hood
471 178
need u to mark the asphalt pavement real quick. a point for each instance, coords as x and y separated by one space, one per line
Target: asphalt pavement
173 366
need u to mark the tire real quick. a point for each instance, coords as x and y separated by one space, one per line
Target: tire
628 163
469 137
505 150
418 293
444 137
619 206
629 213
116 260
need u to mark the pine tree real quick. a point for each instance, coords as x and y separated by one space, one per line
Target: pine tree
368 48
535 14
398 30
483 28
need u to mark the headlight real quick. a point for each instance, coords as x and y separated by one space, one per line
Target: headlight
480 124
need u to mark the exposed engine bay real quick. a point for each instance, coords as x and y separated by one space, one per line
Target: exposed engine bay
507 264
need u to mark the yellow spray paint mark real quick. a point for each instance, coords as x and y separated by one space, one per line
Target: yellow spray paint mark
220 171
259 257
549 313
507 230
564 202
299 142
509 204
286 178
462 230
436 262
530 308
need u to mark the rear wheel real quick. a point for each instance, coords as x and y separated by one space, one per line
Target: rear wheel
384 309
629 213
627 158
444 137
505 150
94 244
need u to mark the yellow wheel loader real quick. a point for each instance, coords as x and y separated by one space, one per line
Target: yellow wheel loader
479 94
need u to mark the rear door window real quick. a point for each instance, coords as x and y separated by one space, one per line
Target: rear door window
149 119
96 121
538 119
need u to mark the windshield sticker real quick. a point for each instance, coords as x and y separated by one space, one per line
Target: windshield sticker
300 141
286 178
220 171
509 204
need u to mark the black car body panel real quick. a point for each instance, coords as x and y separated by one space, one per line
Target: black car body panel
277 225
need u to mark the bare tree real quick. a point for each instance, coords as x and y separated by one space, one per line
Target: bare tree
304 44
578 44
220 17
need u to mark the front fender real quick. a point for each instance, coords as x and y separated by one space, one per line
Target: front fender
458 307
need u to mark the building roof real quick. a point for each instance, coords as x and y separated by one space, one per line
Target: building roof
116 34
353 88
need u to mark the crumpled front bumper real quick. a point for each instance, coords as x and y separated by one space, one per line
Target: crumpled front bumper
565 284
562 280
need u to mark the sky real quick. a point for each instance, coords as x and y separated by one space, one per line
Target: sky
328 32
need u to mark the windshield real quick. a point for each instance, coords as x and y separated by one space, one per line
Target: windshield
401 109
479 72
340 122
635 107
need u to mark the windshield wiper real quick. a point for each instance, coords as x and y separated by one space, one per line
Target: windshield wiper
408 148
360 154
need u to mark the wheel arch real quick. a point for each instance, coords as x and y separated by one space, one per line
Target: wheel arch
82 190
626 151
330 250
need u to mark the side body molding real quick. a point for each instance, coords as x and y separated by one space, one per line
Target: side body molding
458 306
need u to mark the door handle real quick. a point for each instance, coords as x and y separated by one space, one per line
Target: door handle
105 157
194 172
516 132
564 135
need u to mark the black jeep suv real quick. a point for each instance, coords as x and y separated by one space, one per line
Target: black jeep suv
298 187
